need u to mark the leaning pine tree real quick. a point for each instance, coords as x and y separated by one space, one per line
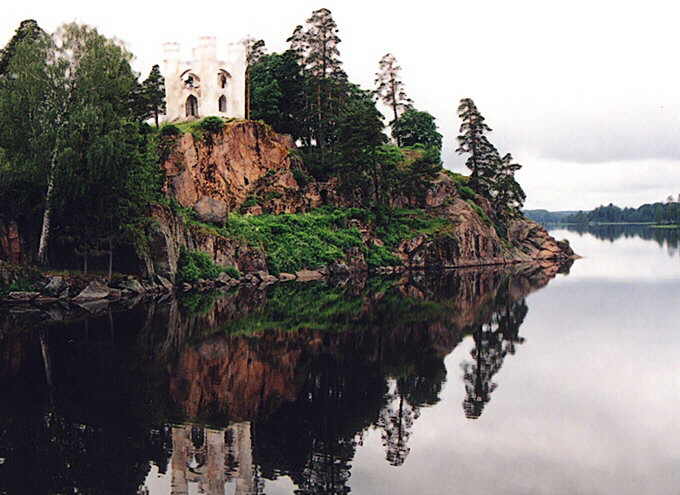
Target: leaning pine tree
510 196
483 158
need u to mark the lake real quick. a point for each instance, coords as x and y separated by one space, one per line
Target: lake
515 380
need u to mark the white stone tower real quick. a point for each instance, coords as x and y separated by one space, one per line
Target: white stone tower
205 85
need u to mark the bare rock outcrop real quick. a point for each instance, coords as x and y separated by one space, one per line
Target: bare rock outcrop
244 160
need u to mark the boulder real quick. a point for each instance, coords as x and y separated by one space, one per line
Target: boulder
286 277
266 278
338 268
115 293
132 285
23 296
224 279
211 210
308 275
164 283
55 286
95 290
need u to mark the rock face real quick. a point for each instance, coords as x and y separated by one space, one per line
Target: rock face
247 159
170 234
11 245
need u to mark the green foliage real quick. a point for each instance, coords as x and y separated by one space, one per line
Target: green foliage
277 93
301 177
79 132
466 192
381 256
232 271
416 127
195 265
296 241
28 31
198 303
211 125
170 130
659 213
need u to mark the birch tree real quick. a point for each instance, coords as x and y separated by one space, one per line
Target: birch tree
62 92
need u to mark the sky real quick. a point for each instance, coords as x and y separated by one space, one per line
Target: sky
584 94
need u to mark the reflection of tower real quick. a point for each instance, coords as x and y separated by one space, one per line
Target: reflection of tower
199 455
242 449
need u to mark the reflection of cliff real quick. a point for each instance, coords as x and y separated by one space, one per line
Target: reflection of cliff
304 369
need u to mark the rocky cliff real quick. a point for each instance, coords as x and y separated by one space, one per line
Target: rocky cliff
247 167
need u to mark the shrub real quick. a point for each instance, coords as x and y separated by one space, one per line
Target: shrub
381 256
211 124
301 177
466 192
194 265
232 271
170 130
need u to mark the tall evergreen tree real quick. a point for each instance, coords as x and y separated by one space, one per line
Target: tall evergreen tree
390 88
255 50
325 77
509 197
277 94
153 91
483 157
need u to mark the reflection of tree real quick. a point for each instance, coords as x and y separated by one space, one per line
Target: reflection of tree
493 341
396 420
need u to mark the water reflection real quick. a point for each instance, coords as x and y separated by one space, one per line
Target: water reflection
664 237
232 390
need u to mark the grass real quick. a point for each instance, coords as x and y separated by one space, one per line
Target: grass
195 265
294 241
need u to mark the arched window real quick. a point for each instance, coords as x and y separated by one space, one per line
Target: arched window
222 104
190 80
192 106
222 78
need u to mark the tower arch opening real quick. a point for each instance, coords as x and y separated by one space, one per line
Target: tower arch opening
222 104
191 106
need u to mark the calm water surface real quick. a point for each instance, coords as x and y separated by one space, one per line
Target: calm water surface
520 381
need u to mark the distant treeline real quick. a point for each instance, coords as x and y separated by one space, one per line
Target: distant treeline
545 216
660 213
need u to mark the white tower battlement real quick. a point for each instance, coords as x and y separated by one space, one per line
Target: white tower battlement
205 85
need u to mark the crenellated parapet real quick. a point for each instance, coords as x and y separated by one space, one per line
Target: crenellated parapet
211 83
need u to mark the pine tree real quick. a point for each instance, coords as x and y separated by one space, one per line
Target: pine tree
323 68
483 160
153 93
509 197
390 88
255 50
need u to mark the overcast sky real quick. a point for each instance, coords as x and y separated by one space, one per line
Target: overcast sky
585 94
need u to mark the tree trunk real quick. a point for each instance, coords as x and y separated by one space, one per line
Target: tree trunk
47 214
110 259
